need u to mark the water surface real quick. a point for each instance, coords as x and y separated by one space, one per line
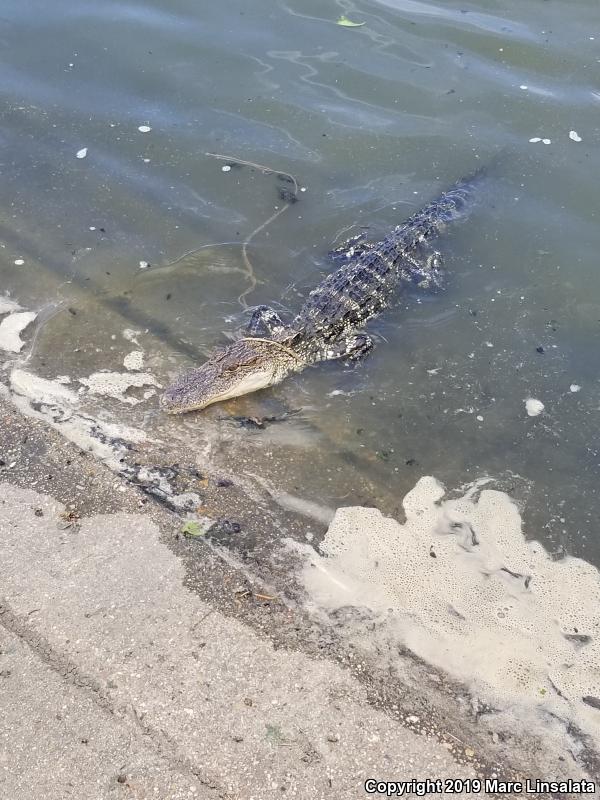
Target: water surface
373 121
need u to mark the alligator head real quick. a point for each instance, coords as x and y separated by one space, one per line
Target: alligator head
243 367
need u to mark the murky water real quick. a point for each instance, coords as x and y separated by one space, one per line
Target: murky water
373 121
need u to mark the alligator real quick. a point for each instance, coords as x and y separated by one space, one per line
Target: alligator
329 324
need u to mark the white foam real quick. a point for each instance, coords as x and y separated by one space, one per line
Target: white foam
467 592
40 389
131 335
134 360
8 305
53 403
116 384
533 407
11 327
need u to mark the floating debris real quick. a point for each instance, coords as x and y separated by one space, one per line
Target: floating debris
19 262
574 136
534 407
537 139
144 265
81 153
524 87
226 168
144 128
193 529
575 387
347 23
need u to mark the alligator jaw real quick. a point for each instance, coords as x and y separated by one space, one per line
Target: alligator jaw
178 399
241 368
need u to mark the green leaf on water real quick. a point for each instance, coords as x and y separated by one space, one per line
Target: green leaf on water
347 23
192 529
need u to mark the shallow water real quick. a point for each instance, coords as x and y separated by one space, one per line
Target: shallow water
373 121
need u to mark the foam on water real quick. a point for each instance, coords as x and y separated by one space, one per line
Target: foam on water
469 593
7 304
116 384
10 329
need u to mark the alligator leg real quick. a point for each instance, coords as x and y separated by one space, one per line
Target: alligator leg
425 272
264 323
352 248
352 348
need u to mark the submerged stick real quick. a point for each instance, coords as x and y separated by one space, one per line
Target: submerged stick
288 196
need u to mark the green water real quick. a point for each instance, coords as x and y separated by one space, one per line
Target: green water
373 121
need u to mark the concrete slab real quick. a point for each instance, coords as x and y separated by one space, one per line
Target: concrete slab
96 622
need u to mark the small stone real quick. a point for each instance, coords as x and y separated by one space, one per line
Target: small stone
469 752
121 778
237 738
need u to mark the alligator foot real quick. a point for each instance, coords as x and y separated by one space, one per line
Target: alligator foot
425 273
352 348
351 249
264 323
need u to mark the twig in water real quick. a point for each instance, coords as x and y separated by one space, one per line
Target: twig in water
288 196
